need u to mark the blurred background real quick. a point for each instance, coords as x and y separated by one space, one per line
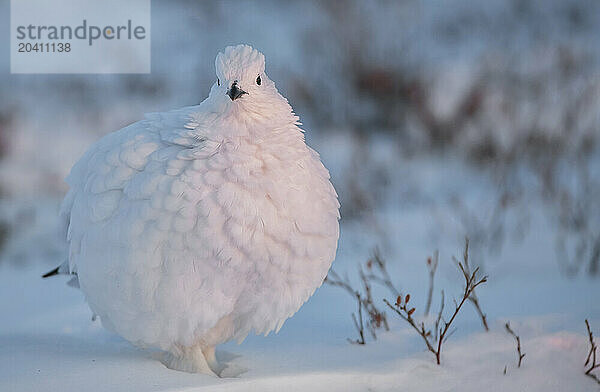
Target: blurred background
437 119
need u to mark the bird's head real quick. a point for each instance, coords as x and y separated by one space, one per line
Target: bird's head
241 72
242 84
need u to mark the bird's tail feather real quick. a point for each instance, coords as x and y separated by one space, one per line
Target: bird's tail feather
51 272
62 269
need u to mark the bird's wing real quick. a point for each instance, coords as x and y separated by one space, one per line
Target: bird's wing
132 220
118 164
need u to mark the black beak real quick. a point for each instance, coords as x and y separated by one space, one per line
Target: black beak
235 92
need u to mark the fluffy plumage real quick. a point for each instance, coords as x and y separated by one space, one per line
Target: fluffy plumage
196 226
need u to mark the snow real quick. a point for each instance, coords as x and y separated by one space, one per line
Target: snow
50 340
536 64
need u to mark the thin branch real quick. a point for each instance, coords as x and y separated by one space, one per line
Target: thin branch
434 345
358 324
384 278
376 318
406 315
439 316
334 279
471 283
591 357
518 339
473 297
432 264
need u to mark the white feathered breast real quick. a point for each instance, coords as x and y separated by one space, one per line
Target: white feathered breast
178 233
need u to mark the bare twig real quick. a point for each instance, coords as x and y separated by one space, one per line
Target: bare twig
434 344
473 297
376 318
590 361
401 308
334 279
439 316
377 262
518 339
432 264
358 324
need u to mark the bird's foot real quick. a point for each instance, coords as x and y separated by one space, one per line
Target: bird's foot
190 360
211 360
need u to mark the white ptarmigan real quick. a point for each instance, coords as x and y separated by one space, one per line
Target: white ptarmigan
196 226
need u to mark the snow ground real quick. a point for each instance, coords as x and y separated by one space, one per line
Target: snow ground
50 341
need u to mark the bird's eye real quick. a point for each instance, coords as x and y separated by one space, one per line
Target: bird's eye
258 81
218 82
